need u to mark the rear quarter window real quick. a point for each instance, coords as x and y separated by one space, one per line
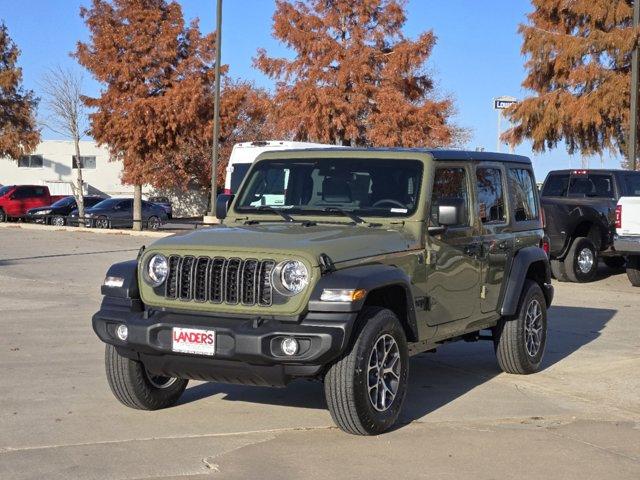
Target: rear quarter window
523 196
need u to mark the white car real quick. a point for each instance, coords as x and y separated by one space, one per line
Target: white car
627 237
243 155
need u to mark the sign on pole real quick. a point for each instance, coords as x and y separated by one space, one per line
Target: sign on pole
500 104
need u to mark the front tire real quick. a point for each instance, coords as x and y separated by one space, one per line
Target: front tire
153 223
366 388
633 270
581 264
520 341
58 221
101 222
3 216
136 388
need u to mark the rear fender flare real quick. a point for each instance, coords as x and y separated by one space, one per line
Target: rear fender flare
517 275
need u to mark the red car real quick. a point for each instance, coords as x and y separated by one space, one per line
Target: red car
15 200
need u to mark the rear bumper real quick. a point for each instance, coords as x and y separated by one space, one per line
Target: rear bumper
627 244
247 348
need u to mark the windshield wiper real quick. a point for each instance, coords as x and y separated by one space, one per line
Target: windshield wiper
267 208
346 213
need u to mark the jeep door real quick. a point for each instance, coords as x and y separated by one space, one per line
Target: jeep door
497 238
453 268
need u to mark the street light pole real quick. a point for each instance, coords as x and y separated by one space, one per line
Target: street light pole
635 86
216 111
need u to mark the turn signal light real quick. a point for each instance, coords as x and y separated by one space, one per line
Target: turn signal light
340 295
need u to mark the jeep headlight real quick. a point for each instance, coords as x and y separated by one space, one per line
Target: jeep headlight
157 270
290 277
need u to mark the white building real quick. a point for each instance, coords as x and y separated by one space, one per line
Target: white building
52 164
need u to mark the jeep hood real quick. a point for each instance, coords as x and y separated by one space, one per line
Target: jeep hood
340 242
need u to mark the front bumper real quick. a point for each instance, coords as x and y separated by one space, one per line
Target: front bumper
627 244
247 348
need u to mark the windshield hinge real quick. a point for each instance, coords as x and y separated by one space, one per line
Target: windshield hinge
326 264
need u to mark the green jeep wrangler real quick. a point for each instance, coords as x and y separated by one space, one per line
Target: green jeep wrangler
336 265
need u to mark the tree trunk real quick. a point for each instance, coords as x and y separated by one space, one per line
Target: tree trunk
137 207
78 191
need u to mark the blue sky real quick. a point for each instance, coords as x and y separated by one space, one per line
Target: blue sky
477 56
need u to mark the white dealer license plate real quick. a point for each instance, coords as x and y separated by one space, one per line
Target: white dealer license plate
191 340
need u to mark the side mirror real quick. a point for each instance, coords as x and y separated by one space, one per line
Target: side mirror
449 213
223 202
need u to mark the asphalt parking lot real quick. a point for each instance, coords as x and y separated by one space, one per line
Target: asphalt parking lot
577 419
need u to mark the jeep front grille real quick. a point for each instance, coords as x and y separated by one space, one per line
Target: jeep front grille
220 280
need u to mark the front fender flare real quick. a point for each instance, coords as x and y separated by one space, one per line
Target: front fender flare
128 271
368 278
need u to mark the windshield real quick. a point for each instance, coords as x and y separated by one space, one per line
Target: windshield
64 202
374 187
5 190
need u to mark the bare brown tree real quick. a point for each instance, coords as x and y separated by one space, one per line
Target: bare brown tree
62 92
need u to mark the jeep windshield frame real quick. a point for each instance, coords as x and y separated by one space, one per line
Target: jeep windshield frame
333 186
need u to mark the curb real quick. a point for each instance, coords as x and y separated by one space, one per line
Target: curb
132 233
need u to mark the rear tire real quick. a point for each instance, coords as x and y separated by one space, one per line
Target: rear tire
3 216
581 264
365 389
134 387
615 263
633 270
519 342
558 271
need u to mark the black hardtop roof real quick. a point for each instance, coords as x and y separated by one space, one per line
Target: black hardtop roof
438 154
592 170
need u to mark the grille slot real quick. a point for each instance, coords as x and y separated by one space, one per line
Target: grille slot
186 278
232 281
200 278
220 280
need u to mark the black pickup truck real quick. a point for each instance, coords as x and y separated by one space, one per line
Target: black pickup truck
579 207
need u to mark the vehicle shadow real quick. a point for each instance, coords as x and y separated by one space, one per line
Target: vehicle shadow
436 379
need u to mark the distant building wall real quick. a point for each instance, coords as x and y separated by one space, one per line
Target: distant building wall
101 177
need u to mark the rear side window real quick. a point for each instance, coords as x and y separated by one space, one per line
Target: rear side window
23 192
632 184
556 186
490 195
238 174
450 183
523 197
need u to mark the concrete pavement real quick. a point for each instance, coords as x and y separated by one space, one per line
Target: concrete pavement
579 418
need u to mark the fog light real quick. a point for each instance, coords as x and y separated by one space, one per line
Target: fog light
289 346
122 332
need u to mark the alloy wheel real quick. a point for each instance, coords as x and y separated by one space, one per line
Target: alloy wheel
585 260
533 328
383 372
